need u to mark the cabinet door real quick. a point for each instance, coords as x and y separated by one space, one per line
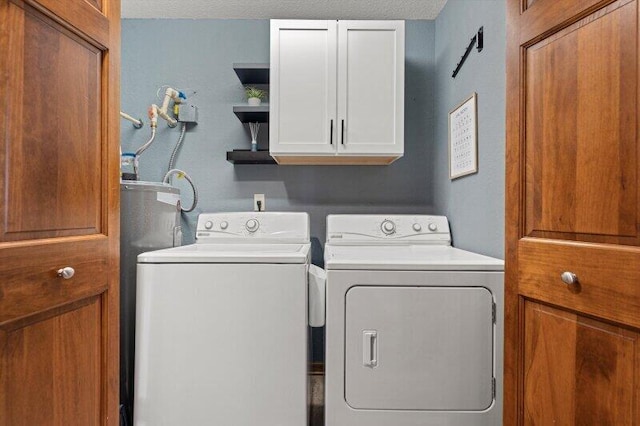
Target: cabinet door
578 371
59 174
370 87
303 87
573 215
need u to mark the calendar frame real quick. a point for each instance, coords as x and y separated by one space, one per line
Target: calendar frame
473 149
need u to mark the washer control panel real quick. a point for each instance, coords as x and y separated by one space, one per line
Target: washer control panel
253 226
385 229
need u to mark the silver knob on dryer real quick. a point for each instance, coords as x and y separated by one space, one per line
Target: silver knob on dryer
433 227
252 225
388 227
417 227
208 224
224 225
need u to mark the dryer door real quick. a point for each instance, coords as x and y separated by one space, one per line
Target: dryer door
419 348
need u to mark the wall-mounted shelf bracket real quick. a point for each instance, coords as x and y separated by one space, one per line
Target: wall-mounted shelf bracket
478 40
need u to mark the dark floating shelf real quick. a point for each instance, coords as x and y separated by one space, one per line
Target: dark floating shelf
246 156
252 114
252 73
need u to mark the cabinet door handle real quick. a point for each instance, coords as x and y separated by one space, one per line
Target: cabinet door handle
342 133
331 133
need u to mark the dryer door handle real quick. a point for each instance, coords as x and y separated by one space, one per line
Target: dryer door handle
370 348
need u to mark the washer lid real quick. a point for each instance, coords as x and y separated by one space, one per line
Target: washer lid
229 253
407 258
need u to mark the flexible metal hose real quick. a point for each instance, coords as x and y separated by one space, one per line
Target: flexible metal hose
172 172
142 149
149 142
174 154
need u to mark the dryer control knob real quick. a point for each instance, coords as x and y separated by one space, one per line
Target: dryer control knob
208 224
433 227
224 224
388 227
252 225
417 227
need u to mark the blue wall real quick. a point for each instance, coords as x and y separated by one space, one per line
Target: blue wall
197 55
475 203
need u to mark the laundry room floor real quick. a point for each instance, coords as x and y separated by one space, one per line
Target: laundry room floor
316 395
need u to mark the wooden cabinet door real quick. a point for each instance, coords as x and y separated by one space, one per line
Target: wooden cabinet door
578 371
371 87
572 199
303 87
59 76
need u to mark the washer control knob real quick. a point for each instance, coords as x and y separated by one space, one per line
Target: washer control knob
252 225
433 227
417 227
224 225
388 227
208 224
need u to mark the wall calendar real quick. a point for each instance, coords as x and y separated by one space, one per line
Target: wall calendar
463 138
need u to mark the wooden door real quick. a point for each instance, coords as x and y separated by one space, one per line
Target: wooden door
59 79
303 87
572 196
371 87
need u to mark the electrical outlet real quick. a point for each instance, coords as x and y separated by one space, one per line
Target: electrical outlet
259 202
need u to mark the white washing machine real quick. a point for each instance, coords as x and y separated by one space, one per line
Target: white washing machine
222 325
414 326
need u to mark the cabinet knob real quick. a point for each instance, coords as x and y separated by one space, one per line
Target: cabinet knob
569 278
66 272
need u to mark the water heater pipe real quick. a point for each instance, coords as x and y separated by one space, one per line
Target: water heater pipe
137 122
169 94
182 173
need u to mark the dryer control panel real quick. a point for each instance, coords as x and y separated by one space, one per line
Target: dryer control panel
388 229
254 227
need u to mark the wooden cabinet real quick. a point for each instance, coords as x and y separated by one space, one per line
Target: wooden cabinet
59 174
337 92
573 209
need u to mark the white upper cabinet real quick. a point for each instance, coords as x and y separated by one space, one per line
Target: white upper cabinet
337 92
303 87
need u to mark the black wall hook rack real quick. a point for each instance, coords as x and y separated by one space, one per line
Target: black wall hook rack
477 39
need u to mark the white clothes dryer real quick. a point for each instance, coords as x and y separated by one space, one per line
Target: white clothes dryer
222 325
414 329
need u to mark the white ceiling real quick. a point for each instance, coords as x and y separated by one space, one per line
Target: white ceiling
283 9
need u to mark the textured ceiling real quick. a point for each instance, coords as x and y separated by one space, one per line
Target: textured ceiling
283 9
